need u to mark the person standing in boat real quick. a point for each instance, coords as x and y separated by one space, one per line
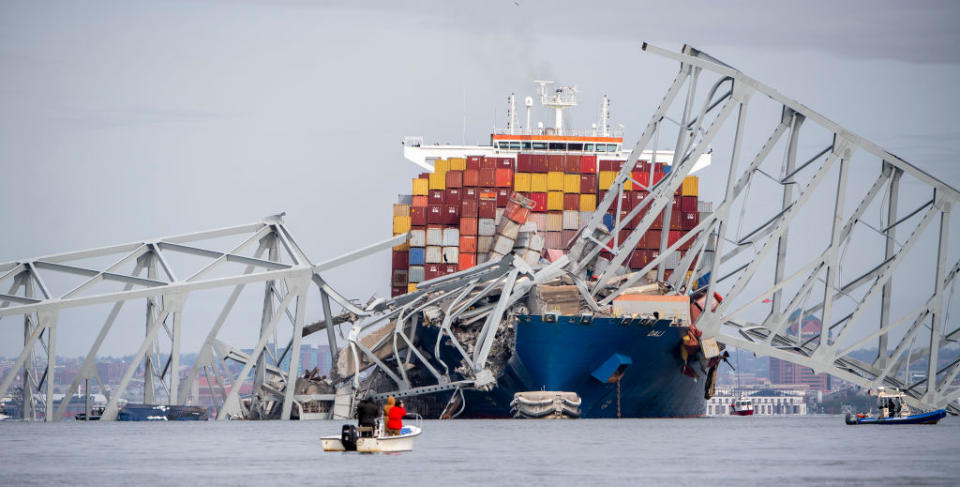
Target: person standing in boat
395 419
367 412
386 408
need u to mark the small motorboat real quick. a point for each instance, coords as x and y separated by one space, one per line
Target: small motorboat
743 406
893 409
372 440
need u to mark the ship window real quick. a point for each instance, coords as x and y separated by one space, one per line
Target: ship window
601 147
611 147
558 146
539 146
575 147
526 146
514 145
588 147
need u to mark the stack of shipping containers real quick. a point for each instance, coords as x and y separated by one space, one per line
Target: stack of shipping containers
454 212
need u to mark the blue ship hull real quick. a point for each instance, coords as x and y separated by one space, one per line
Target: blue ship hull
568 355
932 417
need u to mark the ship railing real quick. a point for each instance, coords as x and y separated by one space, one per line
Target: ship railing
567 132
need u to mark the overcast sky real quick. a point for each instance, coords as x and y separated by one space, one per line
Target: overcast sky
121 121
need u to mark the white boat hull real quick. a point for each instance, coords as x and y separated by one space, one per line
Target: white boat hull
379 444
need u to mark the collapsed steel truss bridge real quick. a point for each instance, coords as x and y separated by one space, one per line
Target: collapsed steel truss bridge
792 263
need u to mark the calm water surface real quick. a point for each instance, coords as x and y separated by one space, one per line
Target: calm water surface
813 450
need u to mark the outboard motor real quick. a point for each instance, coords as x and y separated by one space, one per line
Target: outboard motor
348 436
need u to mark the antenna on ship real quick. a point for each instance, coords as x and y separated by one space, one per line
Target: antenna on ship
511 113
561 98
605 117
528 102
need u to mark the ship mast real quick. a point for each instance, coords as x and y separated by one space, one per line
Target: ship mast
561 98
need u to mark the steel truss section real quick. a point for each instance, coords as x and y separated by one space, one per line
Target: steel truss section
267 253
756 287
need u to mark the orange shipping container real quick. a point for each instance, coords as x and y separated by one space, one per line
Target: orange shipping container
468 226
467 261
504 178
419 201
468 244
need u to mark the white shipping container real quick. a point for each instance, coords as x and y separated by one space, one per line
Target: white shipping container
418 238
451 255
482 258
434 236
486 227
503 245
571 220
522 241
499 215
554 222
672 260
540 220
451 237
434 255
484 244
585 217
536 242
528 227
509 229
531 257
416 273
704 207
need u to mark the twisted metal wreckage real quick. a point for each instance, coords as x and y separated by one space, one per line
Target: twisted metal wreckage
474 309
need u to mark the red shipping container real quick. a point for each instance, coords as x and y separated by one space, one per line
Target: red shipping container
540 200
488 163
432 271
638 259
469 194
468 243
468 208
421 201
571 201
503 197
454 179
503 178
540 163
451 268
451 196
525 163
588 164
487 208
657 222
676 203
473 162
398 291
518 208
418 216
555 163
651 239
637 197
435 197
451 214
488 177
688 203
657 176
467 261
505 163
689 220
468 225
675 220
436 214
566 236
626 201
642 177
610 165
588 183
630 224
571 164
471 178
658 167
399 277
401 259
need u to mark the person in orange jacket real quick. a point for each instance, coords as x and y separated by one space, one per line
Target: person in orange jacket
386 407
395 419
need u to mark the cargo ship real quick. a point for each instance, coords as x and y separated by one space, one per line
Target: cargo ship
627 364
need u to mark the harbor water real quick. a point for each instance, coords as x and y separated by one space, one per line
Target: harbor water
808 450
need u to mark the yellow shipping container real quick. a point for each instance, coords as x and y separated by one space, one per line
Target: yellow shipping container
628 185
606 179
538 182
458 163
441 165
588 202
438 180
411 288
421 187
401 224
401 210
555 181
521 182
690 187
555 200
571 183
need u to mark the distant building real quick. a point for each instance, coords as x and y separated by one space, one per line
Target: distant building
324 360
788 373
766 402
